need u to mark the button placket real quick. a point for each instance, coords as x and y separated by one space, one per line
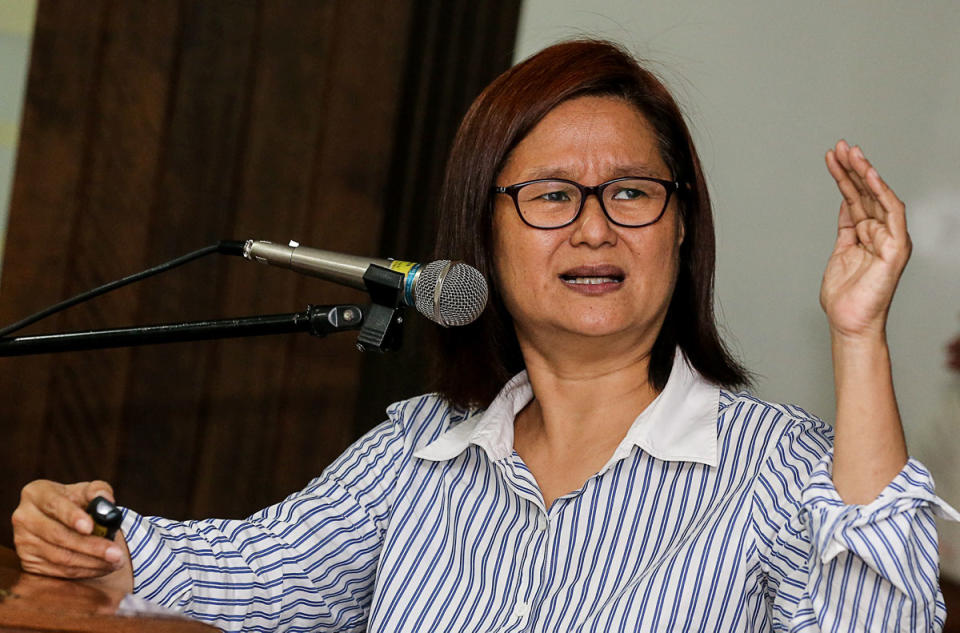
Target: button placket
543 523
533 566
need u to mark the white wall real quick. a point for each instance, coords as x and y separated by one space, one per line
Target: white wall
16 33
768 88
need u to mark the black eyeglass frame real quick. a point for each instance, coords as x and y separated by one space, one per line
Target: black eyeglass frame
597 190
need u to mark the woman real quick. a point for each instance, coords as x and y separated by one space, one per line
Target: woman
617 480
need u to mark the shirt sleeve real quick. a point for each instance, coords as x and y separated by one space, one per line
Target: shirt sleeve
835 567
307 563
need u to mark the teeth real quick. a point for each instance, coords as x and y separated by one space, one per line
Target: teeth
591 280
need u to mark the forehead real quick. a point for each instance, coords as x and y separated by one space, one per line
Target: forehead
588 137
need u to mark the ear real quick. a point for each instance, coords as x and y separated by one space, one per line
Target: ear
681 227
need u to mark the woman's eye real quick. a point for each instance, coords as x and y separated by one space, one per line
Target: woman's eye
555 196
629 194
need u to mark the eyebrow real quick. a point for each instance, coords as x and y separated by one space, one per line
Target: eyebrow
538 173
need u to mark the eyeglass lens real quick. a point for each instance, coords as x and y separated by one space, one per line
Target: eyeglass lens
551 203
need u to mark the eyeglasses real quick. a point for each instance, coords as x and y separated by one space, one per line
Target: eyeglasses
554 203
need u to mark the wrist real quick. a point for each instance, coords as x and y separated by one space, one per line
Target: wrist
861 342
860 361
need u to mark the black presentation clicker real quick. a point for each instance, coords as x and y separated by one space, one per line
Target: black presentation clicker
106 517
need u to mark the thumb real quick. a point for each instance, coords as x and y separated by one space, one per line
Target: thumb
98 488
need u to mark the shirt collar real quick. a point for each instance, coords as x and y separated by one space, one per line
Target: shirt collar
679 425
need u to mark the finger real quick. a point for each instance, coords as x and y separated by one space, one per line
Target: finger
846 231
63 506
35 554
849 191
871 234
69 573
52 561
98 488
61 561
861 166
853 156
57 502
37 529
842 145
894 207
845 155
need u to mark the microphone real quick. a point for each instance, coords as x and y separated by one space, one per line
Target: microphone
446 292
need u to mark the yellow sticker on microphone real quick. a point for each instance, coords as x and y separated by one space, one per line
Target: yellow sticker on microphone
401 267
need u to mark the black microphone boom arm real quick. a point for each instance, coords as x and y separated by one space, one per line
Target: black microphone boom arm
317 320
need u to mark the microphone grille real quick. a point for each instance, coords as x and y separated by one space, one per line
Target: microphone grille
462 292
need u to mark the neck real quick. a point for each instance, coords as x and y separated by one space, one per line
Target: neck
585 396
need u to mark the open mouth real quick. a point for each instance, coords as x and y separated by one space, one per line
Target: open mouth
591 281
593 275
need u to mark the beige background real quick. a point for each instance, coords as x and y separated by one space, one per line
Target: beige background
16 28
768 87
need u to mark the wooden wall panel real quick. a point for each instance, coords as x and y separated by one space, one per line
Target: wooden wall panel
56 118
155 128
272 202
348 202
312 169
456 49
119 170
193 207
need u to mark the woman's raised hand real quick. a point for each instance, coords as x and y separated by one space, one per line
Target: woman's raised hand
871 250
53 534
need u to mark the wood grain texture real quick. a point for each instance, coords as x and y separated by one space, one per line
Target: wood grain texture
119 170
456 48
193 205
349 175
29 602
47 183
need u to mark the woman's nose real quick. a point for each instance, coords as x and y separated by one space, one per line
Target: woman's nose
593 227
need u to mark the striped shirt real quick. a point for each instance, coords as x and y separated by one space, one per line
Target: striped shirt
715 513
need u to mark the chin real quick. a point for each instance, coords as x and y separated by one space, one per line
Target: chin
599 327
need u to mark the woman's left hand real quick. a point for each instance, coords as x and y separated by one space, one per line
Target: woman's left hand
871 250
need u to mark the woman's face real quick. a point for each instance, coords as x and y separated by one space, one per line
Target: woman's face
544 275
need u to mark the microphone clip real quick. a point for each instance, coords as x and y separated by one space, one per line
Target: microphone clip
382 329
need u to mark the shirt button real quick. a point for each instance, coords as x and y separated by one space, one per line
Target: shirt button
521 610
543 523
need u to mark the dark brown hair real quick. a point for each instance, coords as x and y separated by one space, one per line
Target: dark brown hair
473 362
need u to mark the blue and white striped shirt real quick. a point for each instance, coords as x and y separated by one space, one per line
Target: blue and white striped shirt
715 513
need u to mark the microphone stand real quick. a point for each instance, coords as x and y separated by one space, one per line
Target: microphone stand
380 324
317 320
